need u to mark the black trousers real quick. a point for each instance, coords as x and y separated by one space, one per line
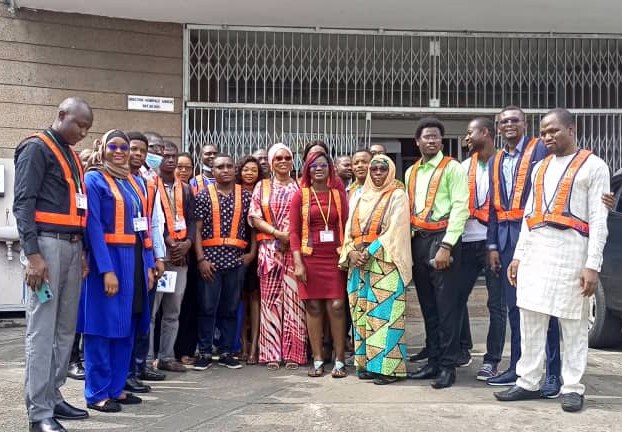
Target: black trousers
441 298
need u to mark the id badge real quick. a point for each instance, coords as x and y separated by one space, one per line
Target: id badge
327 236
81 202
140 224
180 224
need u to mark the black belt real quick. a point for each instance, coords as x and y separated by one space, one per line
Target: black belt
74 238
426 234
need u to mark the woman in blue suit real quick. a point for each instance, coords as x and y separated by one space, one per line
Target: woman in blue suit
114 298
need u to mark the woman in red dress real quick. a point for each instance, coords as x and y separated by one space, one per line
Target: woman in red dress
318 214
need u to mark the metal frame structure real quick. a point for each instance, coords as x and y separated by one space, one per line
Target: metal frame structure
246 87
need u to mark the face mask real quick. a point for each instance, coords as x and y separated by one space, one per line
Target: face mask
153 160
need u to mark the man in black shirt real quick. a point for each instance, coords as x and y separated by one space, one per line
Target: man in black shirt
50 209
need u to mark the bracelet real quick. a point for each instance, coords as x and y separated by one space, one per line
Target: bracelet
446 246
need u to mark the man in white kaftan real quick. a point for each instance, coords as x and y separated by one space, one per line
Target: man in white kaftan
555 268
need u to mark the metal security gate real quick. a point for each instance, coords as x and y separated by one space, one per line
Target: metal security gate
248 87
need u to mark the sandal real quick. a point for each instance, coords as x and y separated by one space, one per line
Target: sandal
291 366
317 370
339 370
251 360
273 366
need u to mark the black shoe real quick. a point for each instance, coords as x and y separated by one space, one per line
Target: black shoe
365 375
129 399
111 406
203 362
76 371
46 425
572 402
465 359
135 385
150 374
517 393
385 379
64 411
507 378
445 379
421 355
426 372
227 360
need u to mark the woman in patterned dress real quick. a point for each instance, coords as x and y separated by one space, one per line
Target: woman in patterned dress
376 252
282 330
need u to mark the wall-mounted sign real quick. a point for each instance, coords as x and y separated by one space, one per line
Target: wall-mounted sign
150 103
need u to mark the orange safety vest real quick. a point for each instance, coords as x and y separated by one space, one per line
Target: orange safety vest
72 218
423 219
560 215
479 213
374 224
119 236
266 190
516 211
179 209
306 211
217 239
201 186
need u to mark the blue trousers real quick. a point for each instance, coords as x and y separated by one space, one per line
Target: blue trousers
219 299
553 362
474 260
106 361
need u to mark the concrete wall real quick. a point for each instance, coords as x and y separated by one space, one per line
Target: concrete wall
47 56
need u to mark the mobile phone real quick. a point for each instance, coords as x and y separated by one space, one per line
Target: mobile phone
44 293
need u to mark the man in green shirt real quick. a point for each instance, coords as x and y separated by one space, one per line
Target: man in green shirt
438 190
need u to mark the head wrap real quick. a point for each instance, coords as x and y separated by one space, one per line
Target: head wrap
395 233
306 170
274 149
97 161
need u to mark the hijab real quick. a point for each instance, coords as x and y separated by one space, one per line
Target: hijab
395 236
97 161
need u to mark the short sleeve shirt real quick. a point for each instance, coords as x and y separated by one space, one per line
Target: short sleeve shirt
223 257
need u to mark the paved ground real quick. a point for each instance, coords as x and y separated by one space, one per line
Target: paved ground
254 399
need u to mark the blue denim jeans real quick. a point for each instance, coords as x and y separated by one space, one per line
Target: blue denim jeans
219 299
474 260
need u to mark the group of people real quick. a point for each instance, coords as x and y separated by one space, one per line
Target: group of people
163 270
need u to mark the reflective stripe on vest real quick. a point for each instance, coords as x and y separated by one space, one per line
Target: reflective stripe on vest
480 213
179 209
374 224
119 236
72 218
266 190
217 239
200 185
422 220
516 211
306 216
560 216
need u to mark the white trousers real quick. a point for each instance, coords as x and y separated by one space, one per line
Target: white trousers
530 367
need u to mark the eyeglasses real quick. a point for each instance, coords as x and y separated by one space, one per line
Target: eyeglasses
510 120
378 168
283 158
115 147
318 165
184 168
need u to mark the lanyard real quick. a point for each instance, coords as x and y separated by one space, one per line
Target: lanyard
325 218
133 195
75 171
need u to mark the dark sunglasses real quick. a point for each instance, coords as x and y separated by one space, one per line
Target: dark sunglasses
379 168
115 147
320 165
510 120
282 158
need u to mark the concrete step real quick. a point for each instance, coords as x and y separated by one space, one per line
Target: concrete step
476 305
